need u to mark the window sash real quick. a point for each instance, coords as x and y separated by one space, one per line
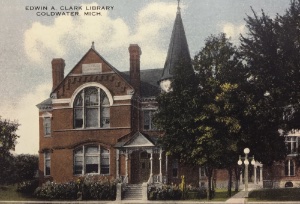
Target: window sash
47 164
47 126
91 159
93 111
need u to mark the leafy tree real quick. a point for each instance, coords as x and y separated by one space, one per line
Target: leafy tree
26 166
8 139
201 111
222 79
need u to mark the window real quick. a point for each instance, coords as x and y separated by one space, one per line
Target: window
202 172
175 168
91 109
47 166
291 144
148 120
91 159
47 126
289 168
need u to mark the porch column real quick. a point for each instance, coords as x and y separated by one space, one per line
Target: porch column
254 167
151 165
261 174
117 163
126 165
166 168
160 165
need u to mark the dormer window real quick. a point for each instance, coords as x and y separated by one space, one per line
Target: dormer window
91 109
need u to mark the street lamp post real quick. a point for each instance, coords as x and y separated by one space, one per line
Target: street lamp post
246 162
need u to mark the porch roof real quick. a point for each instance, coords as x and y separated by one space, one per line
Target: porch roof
137 140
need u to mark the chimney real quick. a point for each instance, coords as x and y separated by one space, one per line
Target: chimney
135 52
58 66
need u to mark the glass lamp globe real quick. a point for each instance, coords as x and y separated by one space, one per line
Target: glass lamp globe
165 85
246 150
240 162
246 162
253 161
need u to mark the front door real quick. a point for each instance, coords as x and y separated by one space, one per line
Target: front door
140 166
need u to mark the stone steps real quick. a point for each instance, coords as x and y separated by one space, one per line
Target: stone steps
133 192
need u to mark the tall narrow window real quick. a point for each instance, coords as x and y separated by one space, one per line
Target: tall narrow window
289 168
104 161
148 120
47 167
91 159
91 109
78 161
47 126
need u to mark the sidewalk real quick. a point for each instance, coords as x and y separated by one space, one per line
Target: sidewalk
240 197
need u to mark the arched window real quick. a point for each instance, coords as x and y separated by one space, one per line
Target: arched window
91 109
91 159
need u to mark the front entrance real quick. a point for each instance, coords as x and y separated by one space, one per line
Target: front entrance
140 166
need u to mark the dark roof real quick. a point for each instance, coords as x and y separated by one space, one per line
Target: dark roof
178 49
149 81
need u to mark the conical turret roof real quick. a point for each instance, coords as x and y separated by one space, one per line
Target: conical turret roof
178 49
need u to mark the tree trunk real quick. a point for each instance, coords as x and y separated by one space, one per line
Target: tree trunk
229 182
209 180
237 177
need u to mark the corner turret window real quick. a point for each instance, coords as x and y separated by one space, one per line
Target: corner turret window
91 109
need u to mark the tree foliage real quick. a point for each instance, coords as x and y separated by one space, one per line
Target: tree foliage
8 139
238 97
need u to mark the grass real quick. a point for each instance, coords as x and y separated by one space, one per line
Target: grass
281 194
221 195
9 193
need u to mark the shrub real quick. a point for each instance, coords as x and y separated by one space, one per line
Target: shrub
166 192
89 187
28 187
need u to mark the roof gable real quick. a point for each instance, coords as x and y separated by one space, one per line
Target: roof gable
139 140
92 63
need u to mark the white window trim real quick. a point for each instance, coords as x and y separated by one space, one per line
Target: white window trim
85 107
44 116
90 84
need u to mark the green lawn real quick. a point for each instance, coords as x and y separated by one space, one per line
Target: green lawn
9 193
281 194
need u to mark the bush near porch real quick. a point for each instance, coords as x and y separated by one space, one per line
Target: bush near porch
173 192
85 188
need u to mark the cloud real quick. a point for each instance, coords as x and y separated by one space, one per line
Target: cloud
233 31
112 36
25 113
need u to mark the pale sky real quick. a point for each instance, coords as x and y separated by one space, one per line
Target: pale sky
29 42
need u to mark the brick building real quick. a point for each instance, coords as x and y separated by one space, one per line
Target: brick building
98 120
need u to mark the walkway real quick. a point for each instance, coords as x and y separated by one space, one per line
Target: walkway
240 197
